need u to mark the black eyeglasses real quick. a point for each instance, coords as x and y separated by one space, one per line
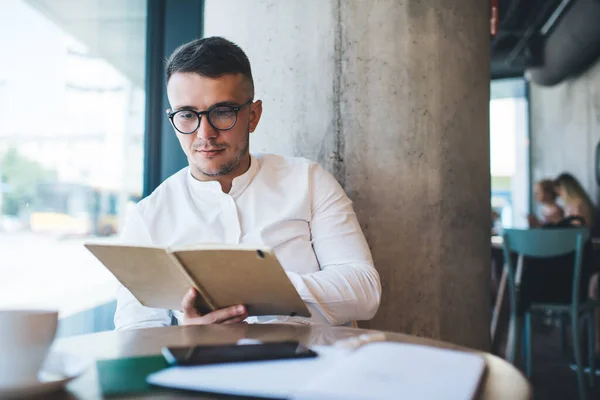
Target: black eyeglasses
222 118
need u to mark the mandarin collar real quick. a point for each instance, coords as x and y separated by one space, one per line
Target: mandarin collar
239 184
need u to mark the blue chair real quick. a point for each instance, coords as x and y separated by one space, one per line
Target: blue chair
545 243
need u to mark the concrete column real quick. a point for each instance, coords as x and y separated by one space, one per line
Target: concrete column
414 95
392 97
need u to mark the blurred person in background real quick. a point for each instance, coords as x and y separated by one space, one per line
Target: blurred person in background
549 211
576 201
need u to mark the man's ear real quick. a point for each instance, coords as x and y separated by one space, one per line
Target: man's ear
168 111
255 113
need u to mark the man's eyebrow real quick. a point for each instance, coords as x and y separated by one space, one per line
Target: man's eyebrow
227 103
186 108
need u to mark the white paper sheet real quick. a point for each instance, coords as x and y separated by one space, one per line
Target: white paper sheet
271 379
398 371
375 371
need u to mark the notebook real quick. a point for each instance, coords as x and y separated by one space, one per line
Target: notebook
123 376
223 275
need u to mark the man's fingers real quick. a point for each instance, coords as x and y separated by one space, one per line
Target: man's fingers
188 304
206 320
222 315
229 315
236 320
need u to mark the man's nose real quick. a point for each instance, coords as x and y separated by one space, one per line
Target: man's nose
205 131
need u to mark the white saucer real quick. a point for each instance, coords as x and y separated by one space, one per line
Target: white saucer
57 371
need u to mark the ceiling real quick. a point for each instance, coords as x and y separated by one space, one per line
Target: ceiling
523 26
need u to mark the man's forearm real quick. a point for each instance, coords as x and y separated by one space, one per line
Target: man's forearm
340 293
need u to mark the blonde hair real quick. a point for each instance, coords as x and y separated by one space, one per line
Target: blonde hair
574 192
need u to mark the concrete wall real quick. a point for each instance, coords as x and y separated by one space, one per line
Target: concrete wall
290 45
392 97
565 128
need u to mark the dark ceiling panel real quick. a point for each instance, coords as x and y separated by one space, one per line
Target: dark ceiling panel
521 31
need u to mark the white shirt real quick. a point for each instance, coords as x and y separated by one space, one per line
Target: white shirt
290 205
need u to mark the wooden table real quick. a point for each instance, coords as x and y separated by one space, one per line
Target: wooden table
503 381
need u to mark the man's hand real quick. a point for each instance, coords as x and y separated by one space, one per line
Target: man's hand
191 316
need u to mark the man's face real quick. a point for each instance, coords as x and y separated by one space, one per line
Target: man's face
213 153
539 193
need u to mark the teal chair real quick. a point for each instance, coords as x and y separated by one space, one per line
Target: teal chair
545 243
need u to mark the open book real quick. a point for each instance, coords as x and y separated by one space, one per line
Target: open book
223 275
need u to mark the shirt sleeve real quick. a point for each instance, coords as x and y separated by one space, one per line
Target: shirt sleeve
130 314
347 287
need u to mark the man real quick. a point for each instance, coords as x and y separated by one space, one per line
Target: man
227 195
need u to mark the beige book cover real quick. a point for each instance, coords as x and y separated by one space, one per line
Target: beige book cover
223 275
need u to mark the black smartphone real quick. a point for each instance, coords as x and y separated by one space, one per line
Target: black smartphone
202 355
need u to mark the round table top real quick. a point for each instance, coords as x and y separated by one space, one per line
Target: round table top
502 381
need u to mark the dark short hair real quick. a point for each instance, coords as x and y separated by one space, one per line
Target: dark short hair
547 186
212 57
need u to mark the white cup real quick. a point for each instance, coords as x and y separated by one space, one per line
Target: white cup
25 339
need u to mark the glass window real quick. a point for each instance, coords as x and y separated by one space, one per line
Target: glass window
509 151
71 144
